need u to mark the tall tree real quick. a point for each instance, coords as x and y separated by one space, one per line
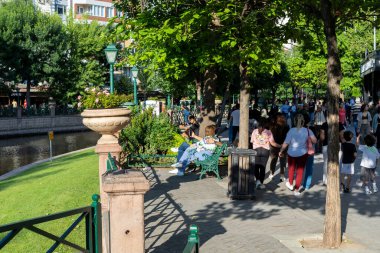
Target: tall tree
34 47
332 14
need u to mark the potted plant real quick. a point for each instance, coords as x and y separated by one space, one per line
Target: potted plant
103 114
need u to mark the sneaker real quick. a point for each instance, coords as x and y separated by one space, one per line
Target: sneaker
271 176
300 189
175 150
359 183
282 178
175 171
258 184
374 188
180 173
297 193
367 190
176 165
346 190
290 187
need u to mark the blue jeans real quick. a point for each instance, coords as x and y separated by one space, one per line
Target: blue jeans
308 172
311 115
181 150
190 155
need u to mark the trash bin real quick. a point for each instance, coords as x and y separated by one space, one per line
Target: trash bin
241 174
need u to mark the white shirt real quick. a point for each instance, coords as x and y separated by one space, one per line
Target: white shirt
235 117
296 138
370 154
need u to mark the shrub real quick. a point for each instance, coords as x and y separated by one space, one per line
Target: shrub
148 134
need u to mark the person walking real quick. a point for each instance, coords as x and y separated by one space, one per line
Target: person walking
348 161
319 120
376 127
235 115
295 141
355 110
309 167
279 128
342 114
364 123
368 164
260 139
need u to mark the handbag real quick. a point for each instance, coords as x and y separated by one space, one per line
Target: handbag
309 144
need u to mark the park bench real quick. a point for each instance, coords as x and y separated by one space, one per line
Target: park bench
211 163
111 164
192 245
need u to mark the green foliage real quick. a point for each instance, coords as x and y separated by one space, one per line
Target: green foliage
148 134
96 98
89 65
34 47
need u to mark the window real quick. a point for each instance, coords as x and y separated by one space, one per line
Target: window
110 12
60 9
80 10
119 13
98 11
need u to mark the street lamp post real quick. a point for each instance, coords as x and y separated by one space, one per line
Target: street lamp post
111 53
135 72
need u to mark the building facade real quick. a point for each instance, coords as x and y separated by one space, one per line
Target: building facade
99 10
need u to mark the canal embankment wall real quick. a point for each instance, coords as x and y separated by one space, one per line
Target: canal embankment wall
40 124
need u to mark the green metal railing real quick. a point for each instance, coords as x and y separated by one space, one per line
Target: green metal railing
32 111
8 112
192 245
92 217
151 160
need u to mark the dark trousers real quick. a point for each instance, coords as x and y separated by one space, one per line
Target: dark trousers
235 130
261 160
274 158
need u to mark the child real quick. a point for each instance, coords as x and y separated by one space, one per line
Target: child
368 163
348 160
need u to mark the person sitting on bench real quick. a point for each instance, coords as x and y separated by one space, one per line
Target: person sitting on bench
201 150
193 128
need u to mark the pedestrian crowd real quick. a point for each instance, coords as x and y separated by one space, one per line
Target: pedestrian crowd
294 132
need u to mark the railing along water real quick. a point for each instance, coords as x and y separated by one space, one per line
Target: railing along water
92 217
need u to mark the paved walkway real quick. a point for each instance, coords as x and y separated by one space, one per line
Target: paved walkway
276 222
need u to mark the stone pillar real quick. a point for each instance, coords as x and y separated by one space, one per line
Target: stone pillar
125 192
102 150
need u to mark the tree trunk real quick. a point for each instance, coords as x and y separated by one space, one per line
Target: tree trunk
223 106
244 108
208 109
332 236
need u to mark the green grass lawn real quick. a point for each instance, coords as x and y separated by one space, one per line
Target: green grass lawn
65 183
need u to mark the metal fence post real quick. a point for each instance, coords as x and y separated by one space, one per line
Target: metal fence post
97 223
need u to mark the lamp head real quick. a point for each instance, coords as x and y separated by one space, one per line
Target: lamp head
111 53
135 72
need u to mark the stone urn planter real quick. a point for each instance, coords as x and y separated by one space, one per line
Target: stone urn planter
106 122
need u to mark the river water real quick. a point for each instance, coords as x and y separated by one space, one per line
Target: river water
19 151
